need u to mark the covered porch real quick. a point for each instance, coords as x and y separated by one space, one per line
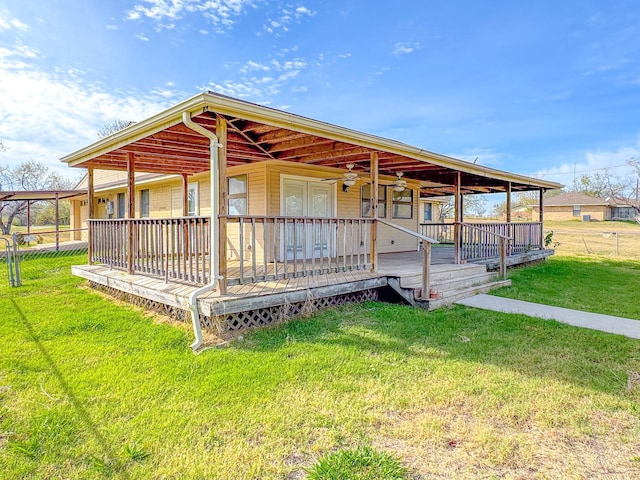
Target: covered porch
317 200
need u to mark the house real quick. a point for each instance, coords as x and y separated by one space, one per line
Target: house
622 209
243 208
578 206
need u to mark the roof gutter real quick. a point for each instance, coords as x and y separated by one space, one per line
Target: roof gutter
214 268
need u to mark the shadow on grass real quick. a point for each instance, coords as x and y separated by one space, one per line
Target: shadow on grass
79 408
532 347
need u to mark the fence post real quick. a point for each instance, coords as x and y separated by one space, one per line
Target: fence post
16 262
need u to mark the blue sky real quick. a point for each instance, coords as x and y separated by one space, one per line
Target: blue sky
541 87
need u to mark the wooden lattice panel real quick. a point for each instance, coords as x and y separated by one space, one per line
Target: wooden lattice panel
226 324
267 316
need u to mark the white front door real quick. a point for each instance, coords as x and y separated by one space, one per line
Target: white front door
302 199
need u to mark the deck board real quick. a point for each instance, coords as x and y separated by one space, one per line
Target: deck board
271 292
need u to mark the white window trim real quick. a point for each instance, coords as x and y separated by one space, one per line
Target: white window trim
194 186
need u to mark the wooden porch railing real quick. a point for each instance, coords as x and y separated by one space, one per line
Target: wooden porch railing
442 232
172 248
261 248
478 242
481 240
425 243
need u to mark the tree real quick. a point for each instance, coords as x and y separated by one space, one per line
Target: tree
474 205
634 194
31 175
113 127
607 185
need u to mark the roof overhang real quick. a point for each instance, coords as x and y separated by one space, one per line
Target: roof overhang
38 195
163 144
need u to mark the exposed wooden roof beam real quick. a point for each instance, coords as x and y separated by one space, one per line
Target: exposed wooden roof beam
250 140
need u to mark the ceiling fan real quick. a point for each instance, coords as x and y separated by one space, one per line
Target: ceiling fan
400 183
348 178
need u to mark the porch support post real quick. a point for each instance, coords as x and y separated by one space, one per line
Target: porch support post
457 213
185 194
28 217
90 214
131 200
221 132
57 221
508 213
373 249
541 217
426 265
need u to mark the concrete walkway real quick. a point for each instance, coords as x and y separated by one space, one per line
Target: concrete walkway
594 321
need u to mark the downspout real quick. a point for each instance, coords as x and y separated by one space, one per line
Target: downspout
213 252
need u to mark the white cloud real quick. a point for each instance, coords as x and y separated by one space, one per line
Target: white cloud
593 162
300 11
405 47
75 110
6 24
204 32
142 37
287 18
131 15
112 27
257 87
217 12
251 66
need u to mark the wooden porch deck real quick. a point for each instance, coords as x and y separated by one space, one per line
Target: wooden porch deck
267 293
394 270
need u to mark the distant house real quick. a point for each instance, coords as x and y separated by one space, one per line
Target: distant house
578 206
621 209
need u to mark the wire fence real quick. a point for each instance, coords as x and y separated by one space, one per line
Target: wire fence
26 246
610 243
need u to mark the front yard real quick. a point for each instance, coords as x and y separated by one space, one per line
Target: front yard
91 389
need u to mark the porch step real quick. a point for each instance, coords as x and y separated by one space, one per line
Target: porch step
451 282
441 273
455 283
452 296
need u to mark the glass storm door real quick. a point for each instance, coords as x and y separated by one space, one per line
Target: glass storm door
300 199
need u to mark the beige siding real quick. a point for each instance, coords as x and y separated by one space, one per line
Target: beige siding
392 240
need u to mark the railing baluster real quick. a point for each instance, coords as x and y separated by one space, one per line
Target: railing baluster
241 248
264 246
254 273
276 246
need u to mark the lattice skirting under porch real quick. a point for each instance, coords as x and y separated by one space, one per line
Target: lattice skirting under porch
234 322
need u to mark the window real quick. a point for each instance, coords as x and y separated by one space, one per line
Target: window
192 199
365 209
427 212
144 203
402 204
121 205
237 187
576 210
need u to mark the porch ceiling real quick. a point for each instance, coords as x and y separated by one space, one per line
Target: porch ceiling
254 136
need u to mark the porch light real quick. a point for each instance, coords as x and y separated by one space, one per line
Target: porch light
398 188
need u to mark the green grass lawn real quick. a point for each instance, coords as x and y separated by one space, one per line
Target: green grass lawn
93 389
590 283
